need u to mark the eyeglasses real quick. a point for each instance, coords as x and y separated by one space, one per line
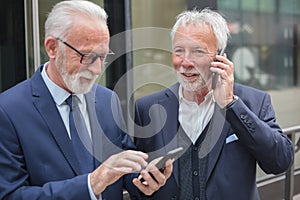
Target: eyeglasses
89 58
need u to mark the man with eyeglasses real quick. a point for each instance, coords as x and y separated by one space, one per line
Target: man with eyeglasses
225 128
61 135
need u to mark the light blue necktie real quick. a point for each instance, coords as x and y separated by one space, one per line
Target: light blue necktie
81 140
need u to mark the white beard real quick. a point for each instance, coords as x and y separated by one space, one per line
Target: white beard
73 81
192 86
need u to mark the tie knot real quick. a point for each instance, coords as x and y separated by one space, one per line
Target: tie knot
72 101
69 101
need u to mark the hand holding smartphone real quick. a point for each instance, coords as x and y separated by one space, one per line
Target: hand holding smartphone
161 164
216 76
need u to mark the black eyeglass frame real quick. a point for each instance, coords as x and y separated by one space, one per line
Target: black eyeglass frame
88 56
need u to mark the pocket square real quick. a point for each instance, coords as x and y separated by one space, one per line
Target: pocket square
231 138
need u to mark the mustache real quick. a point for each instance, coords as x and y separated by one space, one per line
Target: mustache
87 75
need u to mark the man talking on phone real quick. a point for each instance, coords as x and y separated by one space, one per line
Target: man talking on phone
225 131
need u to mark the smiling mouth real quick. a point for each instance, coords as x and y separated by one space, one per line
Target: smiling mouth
190 75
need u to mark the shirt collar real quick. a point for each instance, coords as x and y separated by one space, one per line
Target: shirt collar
208 97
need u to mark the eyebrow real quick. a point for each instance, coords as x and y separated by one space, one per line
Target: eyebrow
192 47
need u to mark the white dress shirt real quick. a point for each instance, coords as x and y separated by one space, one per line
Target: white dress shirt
192 117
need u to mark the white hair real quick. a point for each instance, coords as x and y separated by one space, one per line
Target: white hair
61 18
208 16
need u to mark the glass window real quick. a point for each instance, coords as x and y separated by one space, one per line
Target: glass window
267 6
12 44
44 8
249 5
289 6
229 4
152 43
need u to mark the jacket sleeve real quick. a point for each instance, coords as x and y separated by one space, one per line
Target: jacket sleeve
15 180
255 126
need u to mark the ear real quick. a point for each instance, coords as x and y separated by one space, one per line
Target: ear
51 46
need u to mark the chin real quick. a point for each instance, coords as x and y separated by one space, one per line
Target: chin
85 89
192 86
80 88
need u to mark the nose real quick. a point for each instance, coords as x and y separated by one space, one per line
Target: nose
186 62
187 58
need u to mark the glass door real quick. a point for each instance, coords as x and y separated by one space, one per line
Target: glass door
12 48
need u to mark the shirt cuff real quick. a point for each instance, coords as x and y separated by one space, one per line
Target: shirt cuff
92 195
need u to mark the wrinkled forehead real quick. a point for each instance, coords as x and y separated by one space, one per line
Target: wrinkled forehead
195 33
86 29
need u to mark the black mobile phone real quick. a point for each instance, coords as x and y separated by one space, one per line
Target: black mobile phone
215 76
170 155
162 162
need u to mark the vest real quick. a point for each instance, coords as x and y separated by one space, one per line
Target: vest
192 168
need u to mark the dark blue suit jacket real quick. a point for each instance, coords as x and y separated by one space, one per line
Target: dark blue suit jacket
37 160
238 139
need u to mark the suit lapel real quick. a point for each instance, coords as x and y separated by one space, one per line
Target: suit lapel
46 106
170 112
170 130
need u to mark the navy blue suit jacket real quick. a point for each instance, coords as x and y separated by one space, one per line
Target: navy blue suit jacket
238 139
37 160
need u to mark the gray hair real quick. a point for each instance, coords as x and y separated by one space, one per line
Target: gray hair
60 19
213 18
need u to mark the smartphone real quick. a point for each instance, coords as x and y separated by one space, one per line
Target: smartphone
170 155
215 76
162 162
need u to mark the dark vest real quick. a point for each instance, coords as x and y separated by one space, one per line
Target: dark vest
192 168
